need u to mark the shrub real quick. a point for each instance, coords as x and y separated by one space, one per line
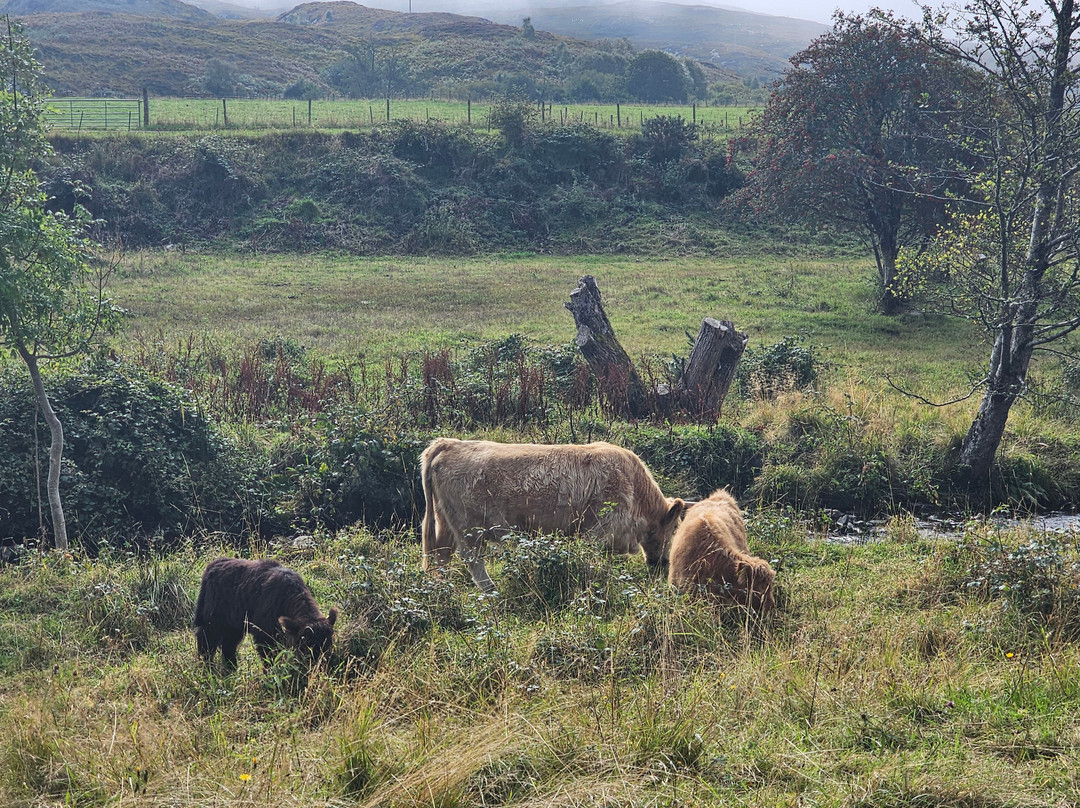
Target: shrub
785 365
545 573
352 465
699 459
305 209
667 137
391 602
515 117
1037 580
139 459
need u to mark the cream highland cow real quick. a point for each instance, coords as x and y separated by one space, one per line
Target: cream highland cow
476 491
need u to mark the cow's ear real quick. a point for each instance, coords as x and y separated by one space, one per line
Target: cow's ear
332 617
292 627
677 509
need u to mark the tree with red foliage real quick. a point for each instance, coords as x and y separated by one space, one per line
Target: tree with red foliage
853 136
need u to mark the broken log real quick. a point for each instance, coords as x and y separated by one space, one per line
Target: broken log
618 382
710 369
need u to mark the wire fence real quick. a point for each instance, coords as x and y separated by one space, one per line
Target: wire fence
95 113
180 114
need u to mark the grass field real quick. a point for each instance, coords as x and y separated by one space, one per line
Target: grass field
885 679
248 114
385 306
914 671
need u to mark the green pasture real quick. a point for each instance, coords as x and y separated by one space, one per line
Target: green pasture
344 305
181 114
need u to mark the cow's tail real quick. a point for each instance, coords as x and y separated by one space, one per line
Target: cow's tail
427 532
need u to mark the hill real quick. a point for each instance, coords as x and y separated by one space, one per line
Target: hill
173 9
118 47
751 45
313 50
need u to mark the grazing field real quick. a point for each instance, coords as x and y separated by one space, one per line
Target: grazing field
343 306
903 669
185 114
891 674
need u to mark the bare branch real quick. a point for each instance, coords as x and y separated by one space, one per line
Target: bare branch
917 397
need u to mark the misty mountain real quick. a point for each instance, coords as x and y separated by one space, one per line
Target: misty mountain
173 9
235 11
746 43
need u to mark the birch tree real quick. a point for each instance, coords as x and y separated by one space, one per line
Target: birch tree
1010 257
52 301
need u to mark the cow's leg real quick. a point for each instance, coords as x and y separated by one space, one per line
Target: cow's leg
230 641
444 542
472 550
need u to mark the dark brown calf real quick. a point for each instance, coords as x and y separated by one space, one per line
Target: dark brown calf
264 598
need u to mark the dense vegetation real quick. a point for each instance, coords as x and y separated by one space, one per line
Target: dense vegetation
187 427
401 187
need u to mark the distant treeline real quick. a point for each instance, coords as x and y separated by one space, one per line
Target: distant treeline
405 186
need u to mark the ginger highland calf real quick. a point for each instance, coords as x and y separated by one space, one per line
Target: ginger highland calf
709 554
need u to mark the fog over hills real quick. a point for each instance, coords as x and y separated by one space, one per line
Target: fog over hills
816 10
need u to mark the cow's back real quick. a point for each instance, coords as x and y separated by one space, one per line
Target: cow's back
226 589
530 486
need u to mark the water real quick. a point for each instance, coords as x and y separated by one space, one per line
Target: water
849 530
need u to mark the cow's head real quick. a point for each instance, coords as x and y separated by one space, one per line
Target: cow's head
756 584
311 640
658 536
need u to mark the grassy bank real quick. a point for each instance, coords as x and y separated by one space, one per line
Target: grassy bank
912 672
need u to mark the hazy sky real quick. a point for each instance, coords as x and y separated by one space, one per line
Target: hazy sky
818 10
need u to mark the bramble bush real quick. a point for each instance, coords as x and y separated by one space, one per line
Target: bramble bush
785 365
140 459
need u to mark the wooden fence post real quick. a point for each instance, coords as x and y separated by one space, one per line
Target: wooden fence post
224 113
145 108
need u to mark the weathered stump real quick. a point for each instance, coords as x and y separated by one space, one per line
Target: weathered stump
618 382
710 369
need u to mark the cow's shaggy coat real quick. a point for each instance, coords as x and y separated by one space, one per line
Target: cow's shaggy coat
479 490
265 599
709 554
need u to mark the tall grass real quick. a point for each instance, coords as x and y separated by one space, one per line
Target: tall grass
889 675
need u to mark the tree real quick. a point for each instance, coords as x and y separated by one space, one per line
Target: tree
51 300
853 135
667 137
220 78
699 84
1013 265
653 75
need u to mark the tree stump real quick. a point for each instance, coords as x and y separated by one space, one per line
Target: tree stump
710 369
618 382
